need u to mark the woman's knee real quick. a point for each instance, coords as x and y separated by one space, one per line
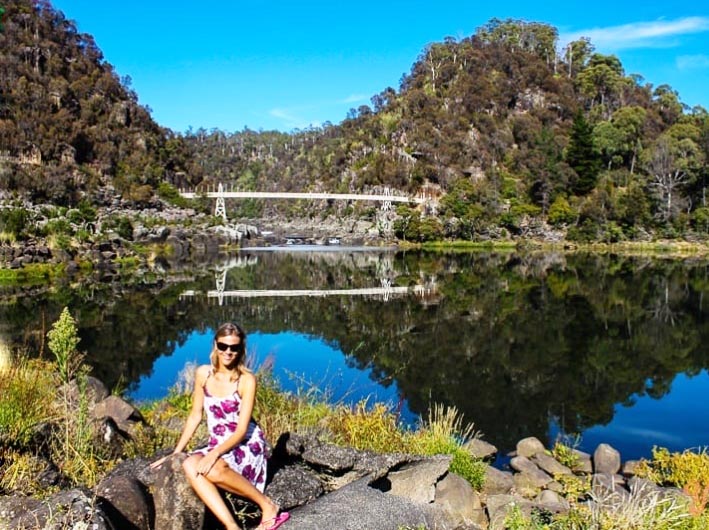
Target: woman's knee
218 472
190 465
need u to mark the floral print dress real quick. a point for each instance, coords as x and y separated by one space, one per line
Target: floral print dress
247 458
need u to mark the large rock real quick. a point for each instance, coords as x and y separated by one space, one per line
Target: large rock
606 460
127 503
417 481
497 482
529 447
73 509
459 503
126 416
481 449
294 486
360 506
177 506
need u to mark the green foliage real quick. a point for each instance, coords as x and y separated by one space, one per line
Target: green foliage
122 225
26 390
172 195
560 212
63 340
700 219
676 469
13 221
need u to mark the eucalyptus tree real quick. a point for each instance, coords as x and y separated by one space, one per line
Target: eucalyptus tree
672 161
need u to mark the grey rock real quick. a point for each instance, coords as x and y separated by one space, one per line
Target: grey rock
294 486
459 502
417 481
606 459
497 482
74 508
177 507
499 506
332 457
127 503
480 448
551 465
360 506
629 467
529 447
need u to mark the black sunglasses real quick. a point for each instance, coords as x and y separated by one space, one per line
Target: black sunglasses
223 346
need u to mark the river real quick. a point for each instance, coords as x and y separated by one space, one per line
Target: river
602 348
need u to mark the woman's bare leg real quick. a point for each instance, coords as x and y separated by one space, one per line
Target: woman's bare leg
222 476
208 492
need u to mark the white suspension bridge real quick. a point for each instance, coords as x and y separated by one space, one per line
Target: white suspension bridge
386 198
385 291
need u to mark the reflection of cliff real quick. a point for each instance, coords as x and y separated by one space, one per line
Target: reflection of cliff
510 340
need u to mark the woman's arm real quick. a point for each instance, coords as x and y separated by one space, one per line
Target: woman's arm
195 416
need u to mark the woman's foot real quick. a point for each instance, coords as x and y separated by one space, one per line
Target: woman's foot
269 513
275 522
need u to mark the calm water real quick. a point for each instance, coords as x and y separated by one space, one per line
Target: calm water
611 348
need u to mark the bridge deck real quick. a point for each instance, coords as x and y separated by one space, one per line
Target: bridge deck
301 195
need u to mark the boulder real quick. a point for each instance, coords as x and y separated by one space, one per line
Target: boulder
551 465
361 506
606 460
481 449
177 506
417 481
459 502
497 482
123 413
294 486
529 447
127 503
74 508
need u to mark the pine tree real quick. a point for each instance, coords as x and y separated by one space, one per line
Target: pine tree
581 157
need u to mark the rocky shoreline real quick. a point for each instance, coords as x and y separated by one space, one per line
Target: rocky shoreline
328 486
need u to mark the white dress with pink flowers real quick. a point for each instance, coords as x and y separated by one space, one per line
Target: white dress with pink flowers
247 458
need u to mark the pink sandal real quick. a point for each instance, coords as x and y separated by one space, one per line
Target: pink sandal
274 523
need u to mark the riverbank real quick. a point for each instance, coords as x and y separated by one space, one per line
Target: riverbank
326 460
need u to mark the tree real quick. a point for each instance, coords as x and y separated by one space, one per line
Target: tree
670 166
577 54
581 156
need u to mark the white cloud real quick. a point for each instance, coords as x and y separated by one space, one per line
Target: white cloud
656 34
354 98
693 62
291 120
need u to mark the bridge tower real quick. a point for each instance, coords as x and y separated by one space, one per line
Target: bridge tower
220 209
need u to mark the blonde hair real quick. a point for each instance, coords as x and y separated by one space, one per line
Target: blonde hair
227 330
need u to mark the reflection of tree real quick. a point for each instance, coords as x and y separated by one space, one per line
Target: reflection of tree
511 340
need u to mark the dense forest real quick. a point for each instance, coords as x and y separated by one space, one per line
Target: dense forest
516 137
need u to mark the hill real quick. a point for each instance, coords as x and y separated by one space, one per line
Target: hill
68 124
515 136
512 133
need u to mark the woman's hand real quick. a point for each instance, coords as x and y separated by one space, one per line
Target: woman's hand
159 462
207 462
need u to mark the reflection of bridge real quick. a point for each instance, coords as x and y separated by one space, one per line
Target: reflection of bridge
386 198
385 291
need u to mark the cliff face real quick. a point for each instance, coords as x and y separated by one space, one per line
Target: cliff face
67 122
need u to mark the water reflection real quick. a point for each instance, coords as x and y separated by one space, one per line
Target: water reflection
521 344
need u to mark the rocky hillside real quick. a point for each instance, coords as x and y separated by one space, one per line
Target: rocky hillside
68 124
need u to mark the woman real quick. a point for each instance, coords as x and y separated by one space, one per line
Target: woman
235 457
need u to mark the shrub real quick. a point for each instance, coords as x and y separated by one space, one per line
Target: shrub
14 221
560 212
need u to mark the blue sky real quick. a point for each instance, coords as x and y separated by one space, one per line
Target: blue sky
288 65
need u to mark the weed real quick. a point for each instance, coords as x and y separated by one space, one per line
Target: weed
564 452
63 340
